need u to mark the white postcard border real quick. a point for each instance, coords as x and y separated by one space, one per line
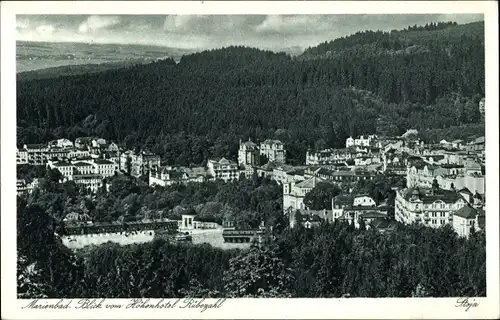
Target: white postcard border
436 308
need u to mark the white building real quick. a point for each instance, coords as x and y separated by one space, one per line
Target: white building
84 168
21 156
140 163
431 207
62 143
248 154
223 169
37 153
65 168
22 186
294 193
329 156
190 222
90 182
467 219
166 176
105 168
273 150
364 201
362 141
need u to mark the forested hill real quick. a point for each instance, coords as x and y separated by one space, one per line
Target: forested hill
442 36
201 106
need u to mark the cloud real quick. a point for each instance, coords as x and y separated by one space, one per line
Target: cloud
210 24
45 30
94 23
273 32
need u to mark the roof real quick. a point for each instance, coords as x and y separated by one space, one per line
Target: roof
269 166
175 174
426 195
466 212
82 164
382 223
343 199
35 146
310 183
479 140
249 145
465 190
224 161
372 214
102 161
271 141
450 166
62 164
87 176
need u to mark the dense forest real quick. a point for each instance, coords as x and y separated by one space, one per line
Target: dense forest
333 260
430 78
371 82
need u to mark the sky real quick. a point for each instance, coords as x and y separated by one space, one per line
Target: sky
213 31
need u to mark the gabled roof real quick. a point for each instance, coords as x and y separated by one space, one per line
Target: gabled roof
250 145
465 190
310 183
343 199
271 141
269 166
466 212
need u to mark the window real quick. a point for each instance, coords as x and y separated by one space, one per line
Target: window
442 221
443 214
433 221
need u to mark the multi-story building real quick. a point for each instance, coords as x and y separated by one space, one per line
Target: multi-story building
223 169
65 168
166 176
280 174
468 219
24 187
274 150
91 182
83 142
432 207
341 176
61 143
363 141
105 168
248 154
74 153
83 167
57 154
364 201
329 156
140 163
37 153
21 156
422 175
294 193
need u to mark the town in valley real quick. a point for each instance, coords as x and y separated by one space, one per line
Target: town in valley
313 158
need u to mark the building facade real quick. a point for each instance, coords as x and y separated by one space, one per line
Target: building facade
248 154
223 169
432 207
274 150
